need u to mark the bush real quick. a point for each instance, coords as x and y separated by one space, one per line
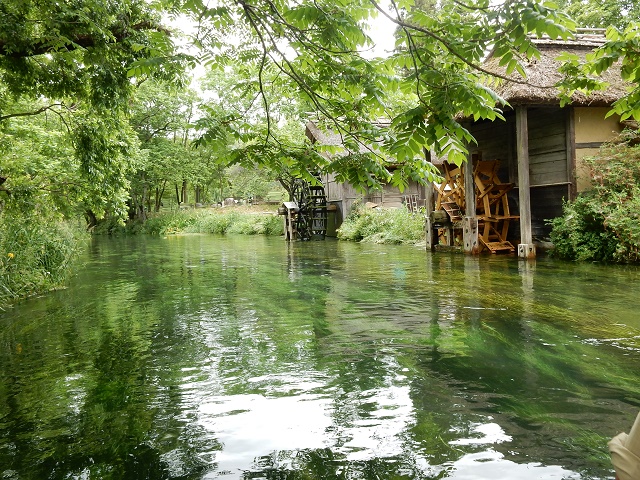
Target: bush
603 224
36 253
167 223
390 226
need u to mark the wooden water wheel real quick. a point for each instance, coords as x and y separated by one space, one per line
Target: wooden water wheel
492 203
311 218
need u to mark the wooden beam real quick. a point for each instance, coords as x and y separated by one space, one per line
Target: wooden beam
429 189
469 189
470 231
525 248
571 155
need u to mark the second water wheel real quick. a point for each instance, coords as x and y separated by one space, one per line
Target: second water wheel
311 220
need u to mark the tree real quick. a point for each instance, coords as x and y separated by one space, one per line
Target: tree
161 114
85 51
278 59
313 52
621 50
599 14
76 61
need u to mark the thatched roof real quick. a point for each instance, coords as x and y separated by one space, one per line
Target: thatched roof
316 135
543 73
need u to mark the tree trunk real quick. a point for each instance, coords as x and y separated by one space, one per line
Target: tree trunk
142 212
287 184
91 219
185 198
159 194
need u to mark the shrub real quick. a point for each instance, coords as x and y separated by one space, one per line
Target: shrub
36 253
382 226
214 223
603 224
580 234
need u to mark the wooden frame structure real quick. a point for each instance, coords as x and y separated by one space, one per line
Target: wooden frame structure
491 217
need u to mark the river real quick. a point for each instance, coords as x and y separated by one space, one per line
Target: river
201 357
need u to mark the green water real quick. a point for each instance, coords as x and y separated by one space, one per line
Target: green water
204 357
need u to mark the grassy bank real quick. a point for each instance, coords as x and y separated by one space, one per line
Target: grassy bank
396 226
382 226
258 220
36 254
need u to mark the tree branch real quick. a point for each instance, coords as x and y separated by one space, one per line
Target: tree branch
447 45
29 114
79 41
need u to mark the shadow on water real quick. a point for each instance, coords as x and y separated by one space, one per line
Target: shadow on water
237 357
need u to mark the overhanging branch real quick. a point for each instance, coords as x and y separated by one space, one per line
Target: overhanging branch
75 42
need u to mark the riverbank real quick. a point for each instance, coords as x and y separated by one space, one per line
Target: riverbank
36 254
369 225
242 219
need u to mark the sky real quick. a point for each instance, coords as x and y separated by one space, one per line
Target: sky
381 31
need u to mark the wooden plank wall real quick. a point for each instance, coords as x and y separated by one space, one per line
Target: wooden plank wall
547 146
496 141
548 166
546 203
390 197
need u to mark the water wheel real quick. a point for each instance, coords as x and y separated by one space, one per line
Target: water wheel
311 220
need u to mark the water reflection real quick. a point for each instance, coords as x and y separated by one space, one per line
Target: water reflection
204 357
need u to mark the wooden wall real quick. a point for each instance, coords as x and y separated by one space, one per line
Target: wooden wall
547 147
391 197
342 196
592 129
549 165
496 141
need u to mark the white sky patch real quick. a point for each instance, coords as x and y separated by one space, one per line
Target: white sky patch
489 433
381 30
492 465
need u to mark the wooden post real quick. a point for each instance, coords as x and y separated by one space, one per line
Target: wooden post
526 249
429 202
428 233
570 133
470 229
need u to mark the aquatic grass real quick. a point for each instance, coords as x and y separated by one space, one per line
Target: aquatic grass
592 446
385 226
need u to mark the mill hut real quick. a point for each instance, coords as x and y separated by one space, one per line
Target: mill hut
342 196
539 147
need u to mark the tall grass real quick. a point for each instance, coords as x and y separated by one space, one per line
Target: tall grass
36 254
390 226
217 221
239 223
